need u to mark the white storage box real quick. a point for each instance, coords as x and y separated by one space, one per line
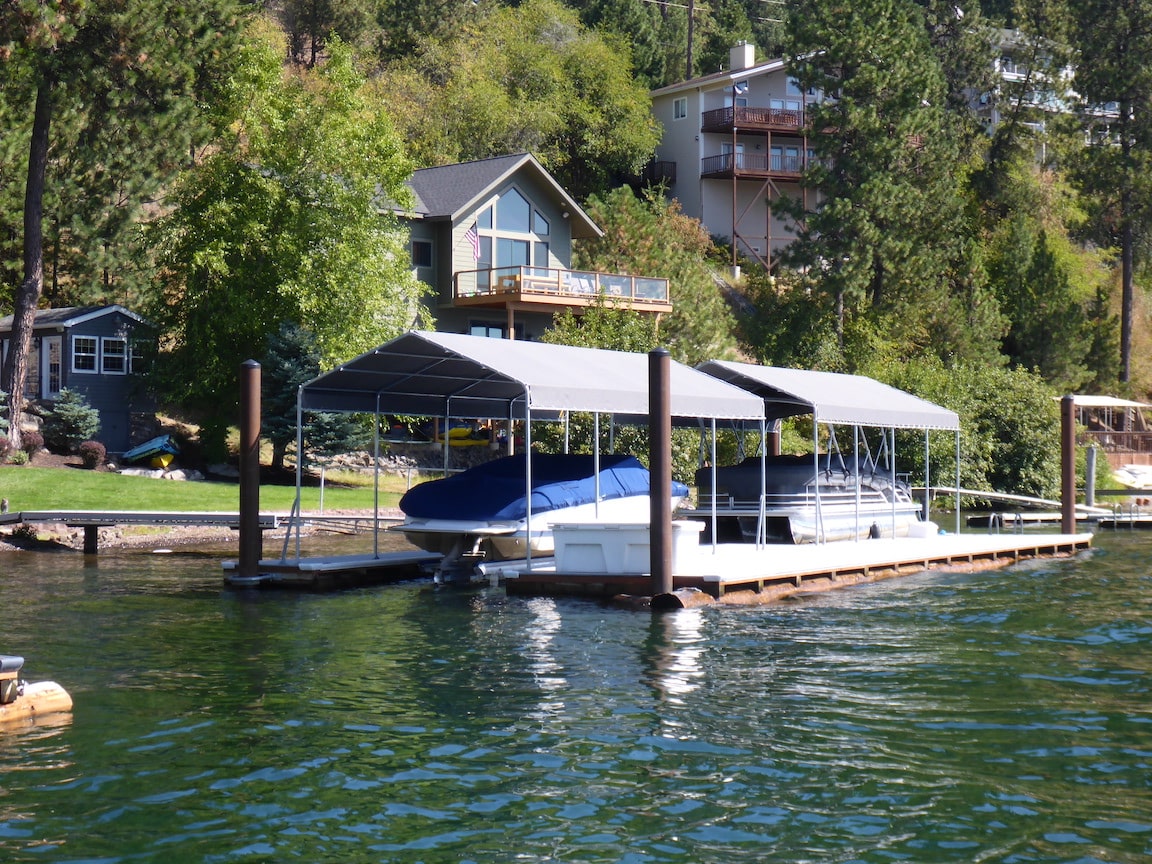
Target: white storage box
618 547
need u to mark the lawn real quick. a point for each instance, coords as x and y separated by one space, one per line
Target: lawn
70 488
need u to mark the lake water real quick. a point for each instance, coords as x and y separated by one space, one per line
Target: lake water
998 717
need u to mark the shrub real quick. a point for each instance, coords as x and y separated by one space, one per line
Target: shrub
19 457
69 422
92 454
31 441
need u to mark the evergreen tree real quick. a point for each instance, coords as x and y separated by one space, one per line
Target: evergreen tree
887 238
292 359
114 101
1113 52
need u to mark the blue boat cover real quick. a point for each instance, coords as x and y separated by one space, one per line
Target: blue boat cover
495 490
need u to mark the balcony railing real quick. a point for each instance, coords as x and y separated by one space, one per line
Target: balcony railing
565 287
754 165
747 117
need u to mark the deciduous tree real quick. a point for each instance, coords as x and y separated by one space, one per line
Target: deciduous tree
289 221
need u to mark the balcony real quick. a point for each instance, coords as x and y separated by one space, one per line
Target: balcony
748 119
550 289
773 166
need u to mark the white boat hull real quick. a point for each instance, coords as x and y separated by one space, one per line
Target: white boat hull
505 540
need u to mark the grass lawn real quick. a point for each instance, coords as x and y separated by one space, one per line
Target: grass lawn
33 488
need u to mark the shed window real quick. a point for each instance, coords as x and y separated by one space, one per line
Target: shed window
84 350
114 356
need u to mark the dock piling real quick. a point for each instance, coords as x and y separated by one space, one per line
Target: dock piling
250 539
660 469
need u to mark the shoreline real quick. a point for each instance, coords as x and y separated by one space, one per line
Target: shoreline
57 537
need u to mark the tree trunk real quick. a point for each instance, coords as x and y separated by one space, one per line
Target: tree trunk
28 295
1127 311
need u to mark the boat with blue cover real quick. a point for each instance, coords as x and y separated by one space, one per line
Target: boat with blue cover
482 513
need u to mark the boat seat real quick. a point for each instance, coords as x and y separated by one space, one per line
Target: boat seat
10 664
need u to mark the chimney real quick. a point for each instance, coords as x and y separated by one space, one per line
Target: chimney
742 56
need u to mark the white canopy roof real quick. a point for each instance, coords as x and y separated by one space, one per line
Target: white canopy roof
1106 402
832 397
451 375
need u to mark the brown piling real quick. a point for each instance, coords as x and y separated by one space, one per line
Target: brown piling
250 539
1068 465
660 469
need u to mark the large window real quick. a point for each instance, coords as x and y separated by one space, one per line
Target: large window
512 234
84 353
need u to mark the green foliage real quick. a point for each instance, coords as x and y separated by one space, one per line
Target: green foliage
524 78
130 87
651 236
283 225
1009 422
892 224
69 422
292 359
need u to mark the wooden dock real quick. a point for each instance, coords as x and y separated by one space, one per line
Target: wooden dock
777 570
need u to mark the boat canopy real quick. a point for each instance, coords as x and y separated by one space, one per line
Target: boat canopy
449 374
832 397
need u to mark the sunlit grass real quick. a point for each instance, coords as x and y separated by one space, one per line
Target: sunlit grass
32 488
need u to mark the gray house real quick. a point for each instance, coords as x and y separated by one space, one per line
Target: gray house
96 351
494 239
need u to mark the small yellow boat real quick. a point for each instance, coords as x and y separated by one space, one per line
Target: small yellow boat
24 701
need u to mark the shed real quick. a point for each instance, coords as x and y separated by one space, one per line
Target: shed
95 351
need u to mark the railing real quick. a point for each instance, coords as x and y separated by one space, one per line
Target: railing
659 171
776 118
545 282
1118 442
754 163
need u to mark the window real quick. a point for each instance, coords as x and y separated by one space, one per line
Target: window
513 213
114 356
484 328
84 353
680 108
421 253
539 223
484 220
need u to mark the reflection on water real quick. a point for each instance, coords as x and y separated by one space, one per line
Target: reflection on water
938 718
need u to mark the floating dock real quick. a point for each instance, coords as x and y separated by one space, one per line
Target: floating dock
333 571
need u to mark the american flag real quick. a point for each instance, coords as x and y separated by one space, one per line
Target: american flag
474 238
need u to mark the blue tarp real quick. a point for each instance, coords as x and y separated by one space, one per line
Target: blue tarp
495 490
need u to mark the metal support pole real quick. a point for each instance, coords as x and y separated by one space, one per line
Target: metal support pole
660 469
250 540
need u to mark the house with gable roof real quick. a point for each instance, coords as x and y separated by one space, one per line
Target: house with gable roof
96 351
494 240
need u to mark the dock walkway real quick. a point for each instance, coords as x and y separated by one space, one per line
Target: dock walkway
731 567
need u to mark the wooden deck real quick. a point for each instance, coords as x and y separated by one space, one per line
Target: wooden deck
729 568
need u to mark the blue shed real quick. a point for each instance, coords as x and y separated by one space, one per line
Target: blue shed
96 351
